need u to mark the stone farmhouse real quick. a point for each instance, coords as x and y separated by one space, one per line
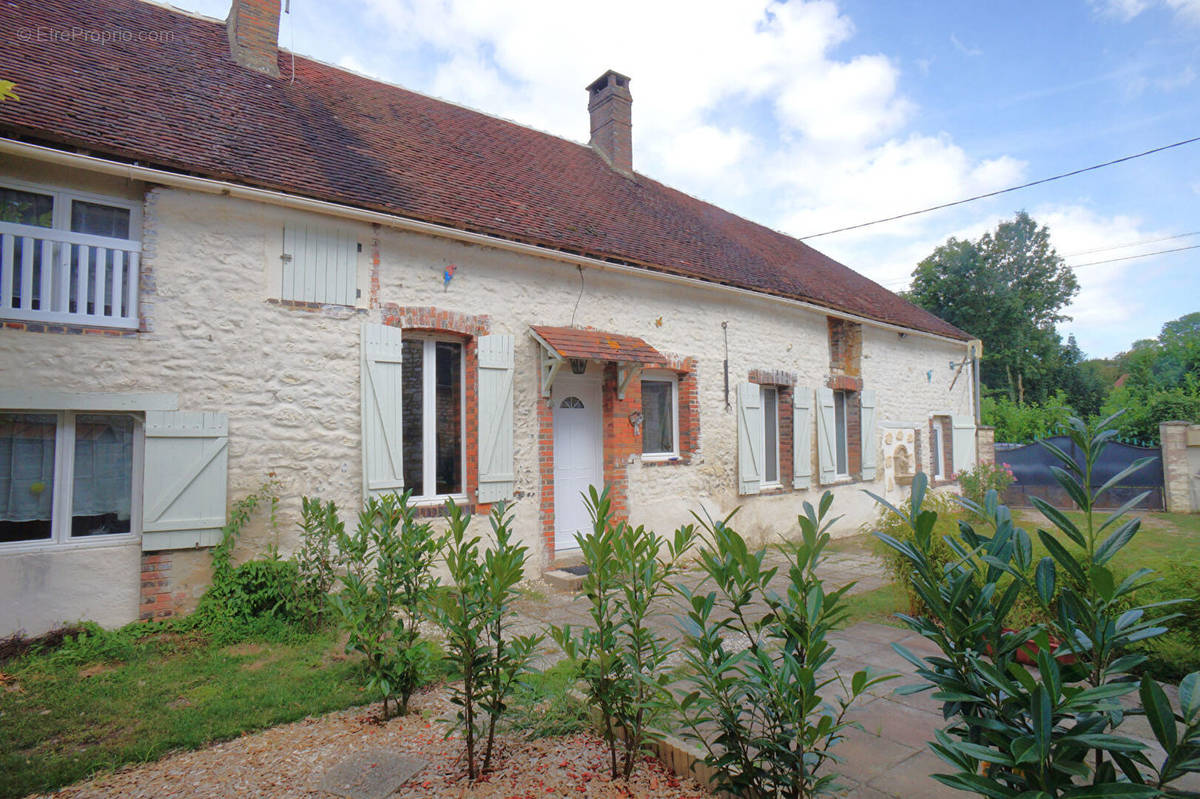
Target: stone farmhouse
220 262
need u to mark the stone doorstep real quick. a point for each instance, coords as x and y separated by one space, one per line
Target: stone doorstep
565 581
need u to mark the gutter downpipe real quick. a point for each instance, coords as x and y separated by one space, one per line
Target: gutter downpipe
143 174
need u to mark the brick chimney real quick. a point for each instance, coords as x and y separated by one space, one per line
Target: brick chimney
253 28
610 106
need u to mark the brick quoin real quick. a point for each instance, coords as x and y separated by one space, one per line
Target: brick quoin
157 601
621 443
845 347
546 472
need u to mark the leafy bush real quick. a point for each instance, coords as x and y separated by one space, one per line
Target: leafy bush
977 481
476 615
760 703
888 522
1177 652
262 588
387 585
621 657
1022 423
318 560
1052 731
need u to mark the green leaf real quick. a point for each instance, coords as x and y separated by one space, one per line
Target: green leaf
1102 581
1059 520
1120 537
1158 713
1189 695
1041 719
1121 475
1113 790
1044 579
1060 554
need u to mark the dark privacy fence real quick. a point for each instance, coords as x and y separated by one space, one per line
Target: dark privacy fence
1031 467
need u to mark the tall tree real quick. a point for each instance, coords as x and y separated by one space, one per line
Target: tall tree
1008 288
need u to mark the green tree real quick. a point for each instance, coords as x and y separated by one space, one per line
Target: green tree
1161 380
1008 288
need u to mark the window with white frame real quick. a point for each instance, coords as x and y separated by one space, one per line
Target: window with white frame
68 477
67 256
841 440
935 450
770 410
432 408
660 415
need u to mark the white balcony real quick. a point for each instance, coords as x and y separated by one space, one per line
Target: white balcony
58 277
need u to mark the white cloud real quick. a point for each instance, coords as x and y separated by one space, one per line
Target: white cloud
964 49
1125 10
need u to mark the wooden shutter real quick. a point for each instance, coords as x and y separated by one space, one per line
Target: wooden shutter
186 475
319 265
383 463
750 438
870 449
826 437
495 418
962 443
802 401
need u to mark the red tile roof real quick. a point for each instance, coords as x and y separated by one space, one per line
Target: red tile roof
577 342
175 100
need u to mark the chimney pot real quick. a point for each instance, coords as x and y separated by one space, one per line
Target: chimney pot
611 108
253 29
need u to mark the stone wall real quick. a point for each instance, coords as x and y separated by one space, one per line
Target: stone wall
288 377
1181 466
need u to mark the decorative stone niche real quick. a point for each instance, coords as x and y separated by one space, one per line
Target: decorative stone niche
899 457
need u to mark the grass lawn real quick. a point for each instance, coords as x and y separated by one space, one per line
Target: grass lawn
62 721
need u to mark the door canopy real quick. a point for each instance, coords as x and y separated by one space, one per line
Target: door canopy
563 344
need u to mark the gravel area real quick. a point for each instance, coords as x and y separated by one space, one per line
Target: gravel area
290 760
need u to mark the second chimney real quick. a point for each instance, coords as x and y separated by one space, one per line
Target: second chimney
253 28
611 108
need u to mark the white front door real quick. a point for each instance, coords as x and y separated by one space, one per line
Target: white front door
578 454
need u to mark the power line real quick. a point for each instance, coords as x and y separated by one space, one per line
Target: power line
1096 263
1131 257
1003 191
1132 244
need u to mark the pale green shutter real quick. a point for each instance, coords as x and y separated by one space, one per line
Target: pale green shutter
382 388
802 422
826 437
319 265
870 449
184 489
962 443
495 418
750 438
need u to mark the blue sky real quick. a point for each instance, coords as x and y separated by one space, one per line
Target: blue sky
808 116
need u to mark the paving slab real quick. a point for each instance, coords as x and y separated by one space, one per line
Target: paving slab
910 779
372 774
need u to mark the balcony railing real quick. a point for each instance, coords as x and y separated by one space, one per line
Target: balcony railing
55 276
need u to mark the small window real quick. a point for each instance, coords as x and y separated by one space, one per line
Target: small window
574 403
67 476
935 450
841 443
770 408
432 390
660 416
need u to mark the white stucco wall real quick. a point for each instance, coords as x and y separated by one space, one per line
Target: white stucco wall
289 378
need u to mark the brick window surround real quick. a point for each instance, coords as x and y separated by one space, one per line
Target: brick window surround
942 422
466 328
621 443
784 384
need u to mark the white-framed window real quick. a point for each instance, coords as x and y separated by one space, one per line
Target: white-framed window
69 477
432 390
660 415
841 433
68 256
770 411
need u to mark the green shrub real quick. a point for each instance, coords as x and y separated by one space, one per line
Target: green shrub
764 710
984 477
1177 652
476 614
889 523
1052 731
386 587
318 560
262 588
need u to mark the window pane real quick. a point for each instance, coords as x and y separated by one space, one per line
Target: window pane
935 451
103 487
26 208
839 424
449 417
771 431
658 417
412 401
26 476
99 220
